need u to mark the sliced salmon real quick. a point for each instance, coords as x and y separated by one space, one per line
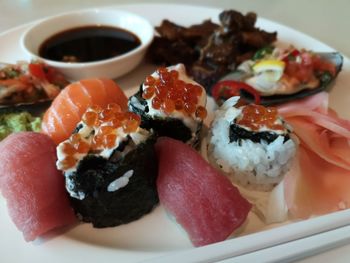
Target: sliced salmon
67 108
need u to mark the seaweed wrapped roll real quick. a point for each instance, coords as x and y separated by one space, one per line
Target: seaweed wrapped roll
251 143
110 167
171 104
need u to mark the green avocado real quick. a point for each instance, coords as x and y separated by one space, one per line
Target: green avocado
18 121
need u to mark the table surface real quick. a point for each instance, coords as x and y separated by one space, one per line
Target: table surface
325 20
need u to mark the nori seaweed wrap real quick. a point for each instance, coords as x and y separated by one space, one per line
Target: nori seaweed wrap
251 144
111 175
96 176
171 104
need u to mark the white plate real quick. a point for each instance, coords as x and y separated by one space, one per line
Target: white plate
155 237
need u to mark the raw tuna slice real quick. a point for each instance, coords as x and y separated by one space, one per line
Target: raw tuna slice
36 198
203 201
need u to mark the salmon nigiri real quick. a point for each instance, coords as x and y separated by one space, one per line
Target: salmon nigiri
68 107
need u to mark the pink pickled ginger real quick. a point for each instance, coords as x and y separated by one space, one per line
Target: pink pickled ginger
319 182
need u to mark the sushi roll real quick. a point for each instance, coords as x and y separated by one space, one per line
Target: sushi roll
171 104
110 167
252 144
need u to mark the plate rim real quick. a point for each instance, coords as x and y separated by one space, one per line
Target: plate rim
218 251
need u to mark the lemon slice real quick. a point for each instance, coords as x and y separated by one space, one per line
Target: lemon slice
267 74
269 65
271 69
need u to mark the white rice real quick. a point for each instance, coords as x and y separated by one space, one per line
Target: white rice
259 166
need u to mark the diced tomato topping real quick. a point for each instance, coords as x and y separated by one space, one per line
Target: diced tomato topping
306 59
51 74
24 79
305 69
37 71
300 71
310 63
294 53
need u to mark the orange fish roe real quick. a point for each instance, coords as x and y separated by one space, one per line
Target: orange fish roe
106 115
109 140
148 93
106 130
179 104
75 139
168 106
105 124
83 147
257 116
156 103
96 143
131 123
169 93
201 112
114 107
68 148
68 162
90 118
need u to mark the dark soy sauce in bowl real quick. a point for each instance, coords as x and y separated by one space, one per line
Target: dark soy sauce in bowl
88 44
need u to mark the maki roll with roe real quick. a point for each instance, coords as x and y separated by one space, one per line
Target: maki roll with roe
171 104
251 143
110 167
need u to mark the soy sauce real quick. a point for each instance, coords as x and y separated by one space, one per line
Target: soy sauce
88 44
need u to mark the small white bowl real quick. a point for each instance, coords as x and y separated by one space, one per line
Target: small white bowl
109 68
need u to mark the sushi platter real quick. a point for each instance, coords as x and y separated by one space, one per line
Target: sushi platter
150 233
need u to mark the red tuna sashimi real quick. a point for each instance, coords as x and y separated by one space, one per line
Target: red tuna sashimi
202 200
36 198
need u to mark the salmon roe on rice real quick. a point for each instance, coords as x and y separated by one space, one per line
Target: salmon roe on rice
106 124
256 116
169 94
